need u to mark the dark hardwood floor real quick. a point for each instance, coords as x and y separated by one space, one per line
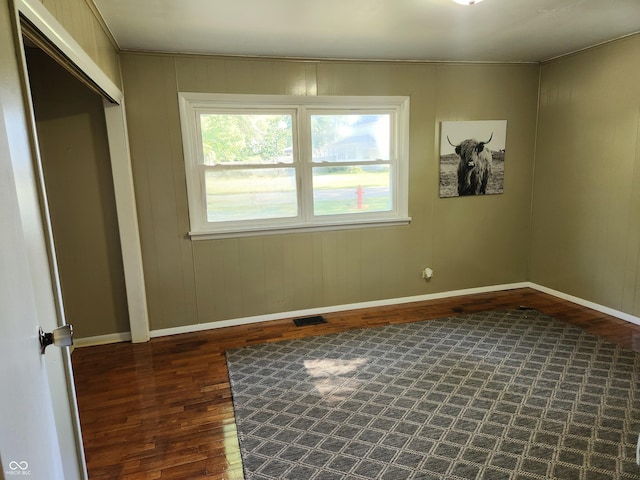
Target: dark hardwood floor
162 409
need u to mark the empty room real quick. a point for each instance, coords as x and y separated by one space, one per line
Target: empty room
294 239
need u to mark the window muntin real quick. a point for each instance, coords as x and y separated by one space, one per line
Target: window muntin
263 164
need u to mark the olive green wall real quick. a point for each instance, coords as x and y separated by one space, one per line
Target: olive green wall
573 228
72 137
586 202
469 242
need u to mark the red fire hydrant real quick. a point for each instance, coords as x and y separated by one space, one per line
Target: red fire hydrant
359 194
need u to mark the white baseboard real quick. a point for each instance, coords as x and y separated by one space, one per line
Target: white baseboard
101 339
330 309
585 303
126 336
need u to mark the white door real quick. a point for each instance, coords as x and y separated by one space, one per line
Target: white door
33 443
28 437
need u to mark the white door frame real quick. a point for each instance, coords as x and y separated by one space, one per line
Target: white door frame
39 16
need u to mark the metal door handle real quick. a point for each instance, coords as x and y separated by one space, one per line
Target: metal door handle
61 337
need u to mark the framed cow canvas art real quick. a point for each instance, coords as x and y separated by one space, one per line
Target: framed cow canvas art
472 157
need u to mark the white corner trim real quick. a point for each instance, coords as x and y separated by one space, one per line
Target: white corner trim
127 214
586 303
101 340
330 309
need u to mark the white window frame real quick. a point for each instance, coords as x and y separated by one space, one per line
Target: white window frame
193 104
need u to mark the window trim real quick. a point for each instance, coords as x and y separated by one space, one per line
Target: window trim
192 104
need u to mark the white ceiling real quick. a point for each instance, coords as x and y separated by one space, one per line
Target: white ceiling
430 30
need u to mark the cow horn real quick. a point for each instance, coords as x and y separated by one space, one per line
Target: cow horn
489 139
450 142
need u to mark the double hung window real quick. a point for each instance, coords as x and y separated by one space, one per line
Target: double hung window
262 164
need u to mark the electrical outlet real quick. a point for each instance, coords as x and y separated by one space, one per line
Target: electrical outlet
427 273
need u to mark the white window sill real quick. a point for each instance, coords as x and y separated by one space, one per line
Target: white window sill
302 228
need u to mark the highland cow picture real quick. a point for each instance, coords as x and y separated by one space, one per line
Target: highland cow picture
472 157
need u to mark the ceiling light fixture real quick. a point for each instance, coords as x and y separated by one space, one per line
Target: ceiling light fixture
467 2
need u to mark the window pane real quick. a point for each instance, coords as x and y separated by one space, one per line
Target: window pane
251 194
339 190
350 137
229 139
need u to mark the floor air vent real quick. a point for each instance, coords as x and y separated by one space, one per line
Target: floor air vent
315 320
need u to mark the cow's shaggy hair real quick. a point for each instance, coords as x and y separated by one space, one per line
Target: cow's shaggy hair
474 168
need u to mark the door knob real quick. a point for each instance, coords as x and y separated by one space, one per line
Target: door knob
61 337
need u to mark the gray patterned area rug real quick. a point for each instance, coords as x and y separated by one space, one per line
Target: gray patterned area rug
494 395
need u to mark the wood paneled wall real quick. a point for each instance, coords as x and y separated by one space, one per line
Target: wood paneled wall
586 208
469 242
583 238
81 19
